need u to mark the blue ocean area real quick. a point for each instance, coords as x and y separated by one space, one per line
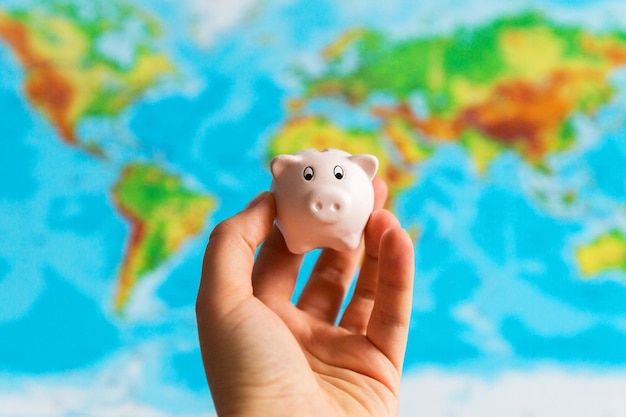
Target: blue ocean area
597 347
605 161
482 236
188 369
222 156
16 157
63 331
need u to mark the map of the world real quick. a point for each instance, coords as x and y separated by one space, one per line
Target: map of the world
130 128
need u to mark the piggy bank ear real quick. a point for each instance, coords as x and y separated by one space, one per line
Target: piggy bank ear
280 162
368 163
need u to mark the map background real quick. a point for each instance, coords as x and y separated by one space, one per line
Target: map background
61 250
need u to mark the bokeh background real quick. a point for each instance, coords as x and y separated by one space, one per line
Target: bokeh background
129 128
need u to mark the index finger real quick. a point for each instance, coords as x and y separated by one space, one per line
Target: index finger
229 256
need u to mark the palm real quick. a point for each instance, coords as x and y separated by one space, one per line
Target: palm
353 375
340 372
266 352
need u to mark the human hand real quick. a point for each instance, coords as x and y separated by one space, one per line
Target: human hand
264 356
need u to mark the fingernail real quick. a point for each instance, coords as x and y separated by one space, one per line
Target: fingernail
256 200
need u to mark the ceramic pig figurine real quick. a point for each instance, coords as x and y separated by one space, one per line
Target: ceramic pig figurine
323 199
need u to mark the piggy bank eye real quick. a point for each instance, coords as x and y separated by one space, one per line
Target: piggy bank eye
338 171
308 173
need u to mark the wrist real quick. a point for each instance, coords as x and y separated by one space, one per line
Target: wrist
275 407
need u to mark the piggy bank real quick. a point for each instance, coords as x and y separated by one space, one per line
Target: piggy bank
323 199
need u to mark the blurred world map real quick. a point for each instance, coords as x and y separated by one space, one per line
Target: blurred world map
128 129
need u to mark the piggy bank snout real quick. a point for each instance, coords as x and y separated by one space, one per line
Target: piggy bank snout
329 206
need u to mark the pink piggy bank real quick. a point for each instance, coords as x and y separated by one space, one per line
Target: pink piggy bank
323 199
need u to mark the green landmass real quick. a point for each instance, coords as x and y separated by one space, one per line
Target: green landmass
163 214
70 72
512 84
475 58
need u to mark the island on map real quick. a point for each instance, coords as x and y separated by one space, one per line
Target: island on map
605 253
163 215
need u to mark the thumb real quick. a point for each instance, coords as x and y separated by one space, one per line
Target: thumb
229 256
